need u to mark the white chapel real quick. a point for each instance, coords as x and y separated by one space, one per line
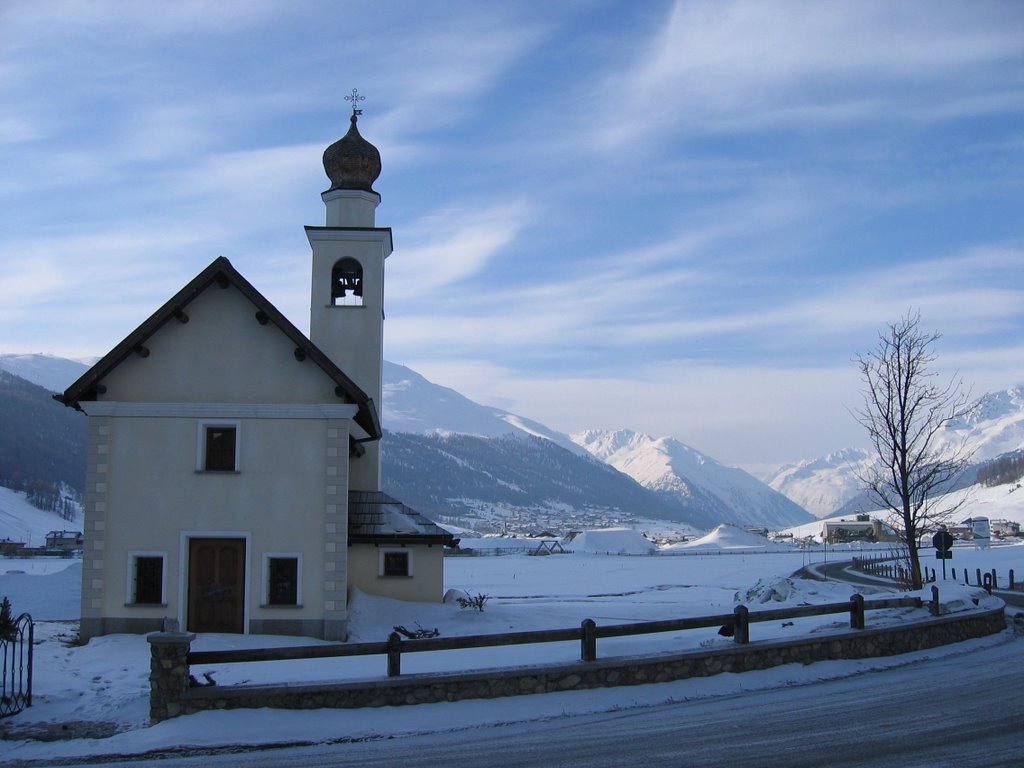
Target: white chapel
233 480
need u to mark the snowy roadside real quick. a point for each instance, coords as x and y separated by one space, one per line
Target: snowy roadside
101 688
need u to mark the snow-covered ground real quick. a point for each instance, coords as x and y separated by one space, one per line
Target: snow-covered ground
105 682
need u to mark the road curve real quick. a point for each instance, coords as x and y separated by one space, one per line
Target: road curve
843 570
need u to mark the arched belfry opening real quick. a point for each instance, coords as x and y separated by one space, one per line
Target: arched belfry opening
347 283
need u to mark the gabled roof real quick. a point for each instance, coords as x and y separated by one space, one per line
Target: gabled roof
375 517
222 273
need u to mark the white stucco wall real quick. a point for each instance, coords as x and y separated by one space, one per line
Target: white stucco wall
154 493
426 585
222 355
289 494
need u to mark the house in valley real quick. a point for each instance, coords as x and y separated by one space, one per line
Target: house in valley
233 476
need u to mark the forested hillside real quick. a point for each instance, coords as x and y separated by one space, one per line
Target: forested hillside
42 443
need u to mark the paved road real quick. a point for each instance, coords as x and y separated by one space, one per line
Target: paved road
962 710
842 570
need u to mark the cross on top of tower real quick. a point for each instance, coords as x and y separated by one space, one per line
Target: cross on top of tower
355 98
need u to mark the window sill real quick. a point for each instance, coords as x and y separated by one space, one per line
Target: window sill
281 605
218 472
395 576
145 605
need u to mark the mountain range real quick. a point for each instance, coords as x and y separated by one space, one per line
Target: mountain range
488 469
993 427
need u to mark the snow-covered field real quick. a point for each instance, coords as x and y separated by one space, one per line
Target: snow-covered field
20 521
105 683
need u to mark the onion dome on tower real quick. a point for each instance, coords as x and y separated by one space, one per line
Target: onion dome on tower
352 162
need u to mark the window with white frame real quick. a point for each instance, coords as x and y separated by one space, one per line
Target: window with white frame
282 578
217 449
147 578
394 562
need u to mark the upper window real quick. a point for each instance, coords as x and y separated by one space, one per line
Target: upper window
347 283
218 447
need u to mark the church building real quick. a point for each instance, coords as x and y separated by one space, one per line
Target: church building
233 479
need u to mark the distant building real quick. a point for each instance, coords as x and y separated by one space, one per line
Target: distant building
1004 528
64 540
861 528
980 530
10 548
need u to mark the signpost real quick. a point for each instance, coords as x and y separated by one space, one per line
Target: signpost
943 543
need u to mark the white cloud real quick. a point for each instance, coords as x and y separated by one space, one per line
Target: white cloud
737 65
453 244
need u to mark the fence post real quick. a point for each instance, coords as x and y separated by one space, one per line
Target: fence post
168 673
978 573
394 655
933 606
1011 578
987 583
588 640
857 611
995 579
742 620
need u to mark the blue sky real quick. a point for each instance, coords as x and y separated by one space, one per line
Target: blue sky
680 218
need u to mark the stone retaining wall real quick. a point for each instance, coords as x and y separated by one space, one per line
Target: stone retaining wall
171 696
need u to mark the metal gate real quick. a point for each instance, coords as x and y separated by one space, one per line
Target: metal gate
16 655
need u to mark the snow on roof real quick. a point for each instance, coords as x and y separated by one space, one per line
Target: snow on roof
375 516
623 541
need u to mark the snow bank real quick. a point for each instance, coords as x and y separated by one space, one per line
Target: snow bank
614 541
729 537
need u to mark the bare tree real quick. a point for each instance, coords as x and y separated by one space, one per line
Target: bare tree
904 412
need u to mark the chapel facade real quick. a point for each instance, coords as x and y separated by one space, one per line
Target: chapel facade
233 480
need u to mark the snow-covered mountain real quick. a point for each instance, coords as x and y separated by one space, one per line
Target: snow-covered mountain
994 427
671 468
48 371
418 406
823 485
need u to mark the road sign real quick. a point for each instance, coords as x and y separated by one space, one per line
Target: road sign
943 543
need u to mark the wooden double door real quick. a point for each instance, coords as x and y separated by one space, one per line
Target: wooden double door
216 585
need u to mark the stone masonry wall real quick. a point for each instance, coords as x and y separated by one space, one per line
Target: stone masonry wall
638 670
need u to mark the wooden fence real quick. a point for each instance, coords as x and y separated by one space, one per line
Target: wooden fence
737 624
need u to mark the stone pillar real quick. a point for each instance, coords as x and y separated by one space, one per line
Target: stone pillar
168 673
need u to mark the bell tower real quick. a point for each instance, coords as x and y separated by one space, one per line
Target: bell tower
347 296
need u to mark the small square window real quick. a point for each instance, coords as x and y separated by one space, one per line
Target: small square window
282 581
221 441
146 579
396 564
